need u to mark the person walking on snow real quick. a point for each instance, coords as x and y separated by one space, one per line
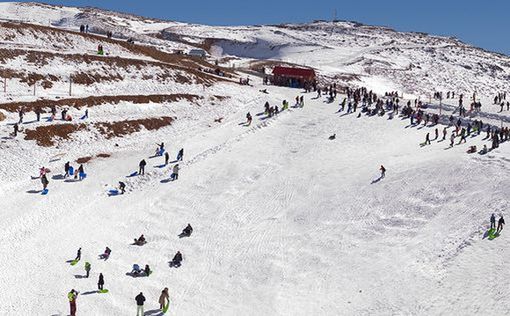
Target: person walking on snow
452 139
493 221
180 154
383 171
248 119
72 296
427 139
501 223
78 255
167 157
80 173
164 298
142 165
87 269
100 282
140 299
44 181
122 187
66 169
175 172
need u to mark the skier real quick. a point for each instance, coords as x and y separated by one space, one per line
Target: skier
180 154
493 221
78 255
122 187
383 171
142 165
175 172
72 301
164 298
147 270
248 119
100 282
140 299
87 268
66 169
501 223
44 181
176 261
186 232
167 158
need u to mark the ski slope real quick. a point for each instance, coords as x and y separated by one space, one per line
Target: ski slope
286 222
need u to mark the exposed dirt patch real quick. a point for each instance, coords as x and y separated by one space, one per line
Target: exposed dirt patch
47 135
119 129
46 105
83 159
90 158
2 116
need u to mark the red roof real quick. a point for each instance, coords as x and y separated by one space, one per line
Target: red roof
293 72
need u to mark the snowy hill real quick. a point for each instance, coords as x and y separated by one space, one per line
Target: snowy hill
287 219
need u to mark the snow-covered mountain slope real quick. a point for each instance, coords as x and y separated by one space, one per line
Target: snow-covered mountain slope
411 62
414 63
286 221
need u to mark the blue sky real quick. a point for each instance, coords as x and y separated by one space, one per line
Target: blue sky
481 23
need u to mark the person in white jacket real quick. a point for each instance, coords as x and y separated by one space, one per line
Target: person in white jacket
175 172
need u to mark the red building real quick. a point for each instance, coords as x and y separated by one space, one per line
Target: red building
293 77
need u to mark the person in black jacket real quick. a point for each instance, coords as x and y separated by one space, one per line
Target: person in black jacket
176 261
142 165
66 169
180 154
140 299
100 282
501 222
186 232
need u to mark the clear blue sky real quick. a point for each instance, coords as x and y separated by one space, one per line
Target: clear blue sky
481 23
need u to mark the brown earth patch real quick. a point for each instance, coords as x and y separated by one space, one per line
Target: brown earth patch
103 156
83 159
45 136
2 116
119 129
97 101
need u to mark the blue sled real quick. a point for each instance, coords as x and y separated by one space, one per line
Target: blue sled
71 171
44 192
113 192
